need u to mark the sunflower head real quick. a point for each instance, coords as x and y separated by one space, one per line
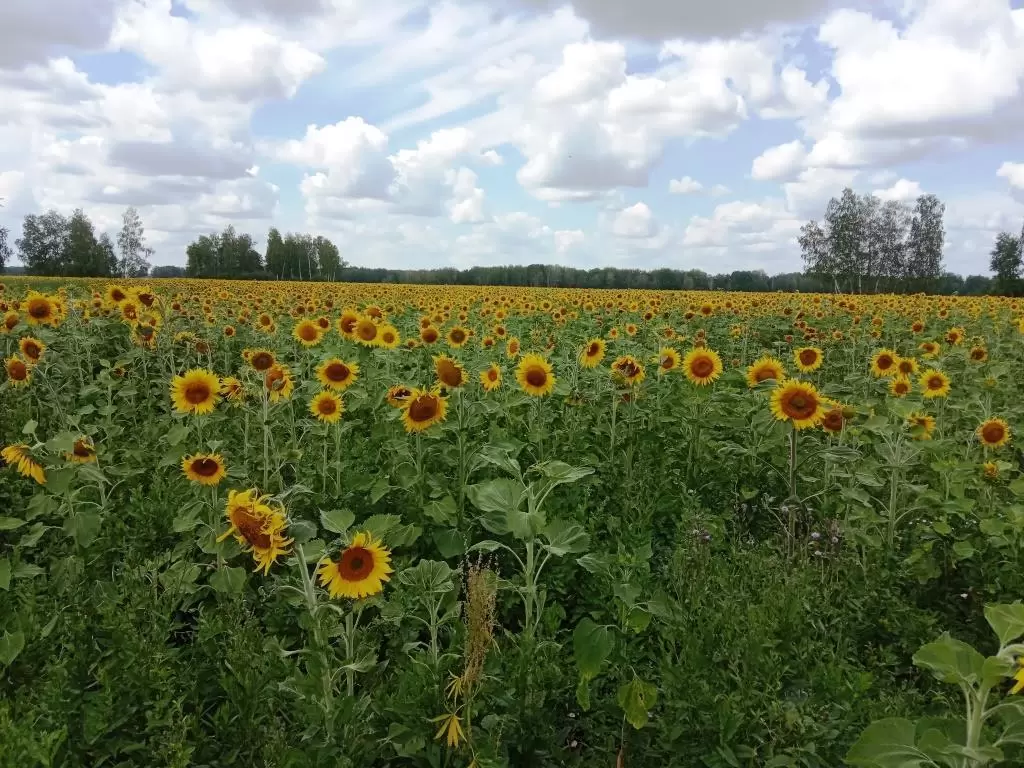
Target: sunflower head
993 433
366 331
702 366
327 407
884 363
258 526
667 360
19 456
278 383
592 353
18 372
204 468
798 402
398 394
808 359
260 359
31 349
490 378
422 409
921 425
535 376
360 571
899 386
449 372
766 368
83 451
628 370
934 383
196 392
307 333
457 337
336 374
40 309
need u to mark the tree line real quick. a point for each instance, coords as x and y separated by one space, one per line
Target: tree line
1007 262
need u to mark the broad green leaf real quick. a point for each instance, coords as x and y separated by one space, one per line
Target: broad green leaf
486 545
403 535
963 550
337 520
63 442
499 457
450 543
559 472
591 646
26 571
302 531
565 538
431 577
379 525
10 523
888 743
29 428
502 495
11 644
83 526
229 581
379 490
5 573
951 660
1012 715
177 433
636 699
59 480
442 511
1006 620
583 693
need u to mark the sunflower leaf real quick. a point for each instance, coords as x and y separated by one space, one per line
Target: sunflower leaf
5 573
1006 620
337 520
10 646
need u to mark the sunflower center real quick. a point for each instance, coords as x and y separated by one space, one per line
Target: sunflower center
702 367
492 374
457 336
197 392
449 373
367 331
764 374
40 310
536 376
800 405
17 370
356 564
82 449
884 362
935 382
251 528
205 467
327 406
337 372
992 432
423 408
261 361
308 333
32 350
808 357
388 337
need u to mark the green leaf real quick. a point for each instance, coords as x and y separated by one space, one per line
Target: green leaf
499 457
177 433
1012 715
486 545
26 571
591 646
888 743
442 511
403 535
5 573
228 580
83 526
63 442
10 646
431 577
10 523
337 520
565 538
449 542
963 550
951 660
583 693
1017 487
59 480
636 699
560 472
379 490
302 531
30 427
1006 620
379 525
501 495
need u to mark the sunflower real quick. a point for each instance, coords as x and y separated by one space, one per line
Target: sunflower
934 383
347 323
10 322
921 425
231 389
20 457
449 372
257 526
83 451
993 433
40 309
327 407
389 337
366 331
667 360
397 395
808 359
18 372
884 363
307 333
491 378
512 348
429 335
197 392
766 368
955 336
702 366
899 386
279 383
798 402
204 468
457 337
31 349
834 419
260 359
534 376
423 409
628 370
906 366
336 374
362 569
978 354
990 470
592 354
115 294
929 349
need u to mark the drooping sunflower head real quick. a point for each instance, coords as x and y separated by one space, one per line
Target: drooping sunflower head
360 571
990 470
512 348
336 374
204 468
196 392
422 409
535 376
884 363
834 418
667 360
258 526
83 451
327 407
449 372
628 370
9 321
993 433
278 383
490 378
934 383
231 389
798 402
702 366
899 386
18 372
592 353
766 368
307 333
929 349
398 394
31 349
347 323
808 359
19 456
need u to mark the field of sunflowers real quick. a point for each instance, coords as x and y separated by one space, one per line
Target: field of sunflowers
311 524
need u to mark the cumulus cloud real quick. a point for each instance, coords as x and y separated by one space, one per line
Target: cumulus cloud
684 186
635 221
31 32
903 191
1013 173
779 162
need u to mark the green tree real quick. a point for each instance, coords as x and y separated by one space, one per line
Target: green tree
5 248
1005 262
131 242
275 256
925 243
201 256
43 243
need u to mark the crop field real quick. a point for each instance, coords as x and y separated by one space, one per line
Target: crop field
326 524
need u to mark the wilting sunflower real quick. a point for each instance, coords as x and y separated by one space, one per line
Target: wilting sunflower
978 354
921 425
450 728
20 457
389 337
884 363
366 331
261 360
512 348
628 370
231 389
934 383
31 349
18 372
10 322
702 366
449 372
307 333
197 392
397 395
423 409
204 468
336 374
929 349
258 526
83 451
490 378
766 368
899 386
362 569
993 433
798 402
592 354
667 360
808 359
534 376
457 337
40 309
327 407
279 383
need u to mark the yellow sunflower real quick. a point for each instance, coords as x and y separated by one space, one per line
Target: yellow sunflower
667 360
327 407
702 366
449 372
994 433
347 323
833 420
808 359
231 389
592 354
257 526
82 452
884 363
40 309
906 366
929 349
260 359
397 395
197 392
204 468
798 402
934 383
628 370
31 349
899 386
491 378
978 354
18 372
512 348
389 336
307 333
360 571
10 321
336 374
429 335
20 457
457 337
921 425
765 368
366 331
423 409
279 383
534 376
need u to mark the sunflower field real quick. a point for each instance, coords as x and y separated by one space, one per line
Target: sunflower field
312 524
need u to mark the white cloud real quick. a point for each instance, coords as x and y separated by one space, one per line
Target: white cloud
684 186
33 31
1013 173
567 239
635 221
779 162
903 191
719 190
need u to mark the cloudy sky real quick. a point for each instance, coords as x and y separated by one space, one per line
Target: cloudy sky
634 133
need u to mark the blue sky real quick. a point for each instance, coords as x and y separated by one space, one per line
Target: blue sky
513 131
